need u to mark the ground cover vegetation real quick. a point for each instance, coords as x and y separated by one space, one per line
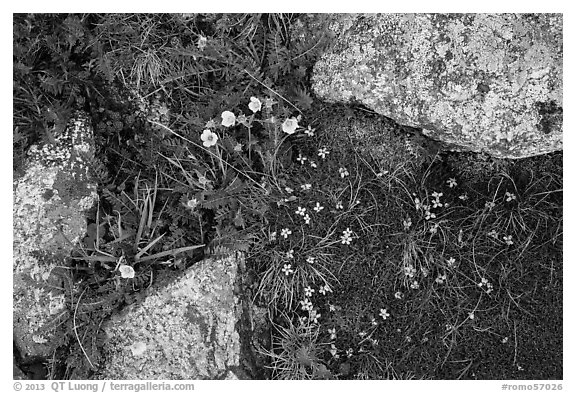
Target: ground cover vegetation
376 256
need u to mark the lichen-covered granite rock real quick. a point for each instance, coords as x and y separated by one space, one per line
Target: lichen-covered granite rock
185 329
50 201
482 82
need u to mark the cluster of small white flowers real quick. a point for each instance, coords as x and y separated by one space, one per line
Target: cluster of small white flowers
343 172
346 237
510 197
285 232
287 269
485 283
323 152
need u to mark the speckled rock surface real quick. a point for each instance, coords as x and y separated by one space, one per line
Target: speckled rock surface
49 203
185 329
483 82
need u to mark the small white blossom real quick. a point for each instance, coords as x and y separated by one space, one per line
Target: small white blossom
409 271
288 190
228 119
324 289
463 197
307 219
208 138
417 203
323 152
434 228
471 315
332 308
308 291
306 187
309 131
311 260
489 205
415 285
285 232
398 295
273 236
339 205
451 182
440 279
287 269
306 304
126 271
290 125
332 333
290 254
313 164
318 207
315 316
334 351
301 159
493 234
384 313
343 172
301 211
510 196
255 104
202 41
508 240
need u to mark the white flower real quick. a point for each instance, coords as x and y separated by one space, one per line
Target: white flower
508 240
290 125
192 203
510 196
318 208
434 228
415 285
308 291
315 316
273 236
307 219
451 182
323 152
424 271
409 271
362 334
471 315
417 203
301 211
463 197
309 131
311 260
238 148
332 333
126 271
209 138
324 289
343 172
301 159
285 232
255 104
489 205
398 295
306 187
407 223
373 322
437 195
440 279
346 237
202 41
333 350
306 304
313 164
290 254
339 205
289 190
493 234
228 119
287 269
384 313
332 308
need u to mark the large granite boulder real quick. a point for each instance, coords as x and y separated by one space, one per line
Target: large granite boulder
480 82
49 204
184 329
